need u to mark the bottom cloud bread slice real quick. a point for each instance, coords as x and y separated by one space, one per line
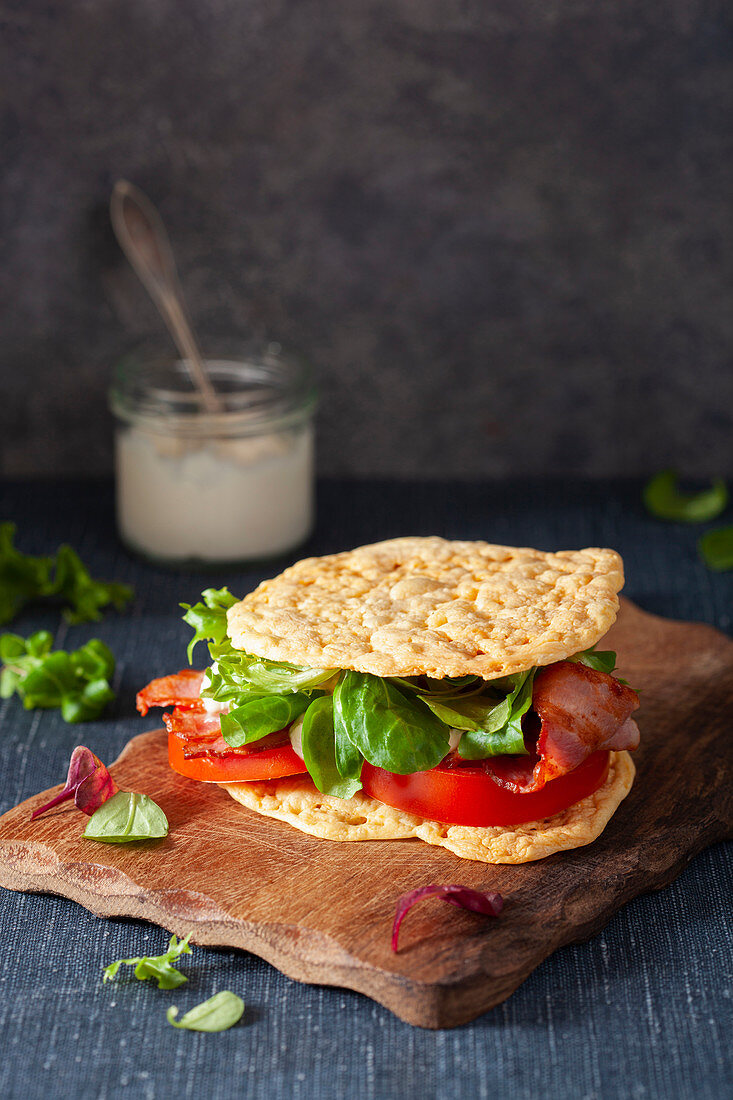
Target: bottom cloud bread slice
296 801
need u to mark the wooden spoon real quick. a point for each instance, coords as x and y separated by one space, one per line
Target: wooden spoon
143 238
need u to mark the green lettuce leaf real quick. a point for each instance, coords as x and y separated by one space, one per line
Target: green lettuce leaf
260 715
238 670
77 682
664 500
158 967
125 817
220 1012
499 729
208 618
84 596
319 751
603 660
389 729
24 578
716 549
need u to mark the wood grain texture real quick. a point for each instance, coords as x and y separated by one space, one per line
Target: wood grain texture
321 912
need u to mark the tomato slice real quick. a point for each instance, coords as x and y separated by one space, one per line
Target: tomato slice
465 794
213 761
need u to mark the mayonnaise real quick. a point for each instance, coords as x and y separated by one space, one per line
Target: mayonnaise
214 500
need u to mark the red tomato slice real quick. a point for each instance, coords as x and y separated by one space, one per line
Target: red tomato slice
213 761
466 795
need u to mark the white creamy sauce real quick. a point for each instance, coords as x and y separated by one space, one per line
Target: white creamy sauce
224 500
296 736
211 706
454 736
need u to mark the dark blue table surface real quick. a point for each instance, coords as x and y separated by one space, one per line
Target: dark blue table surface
642 1010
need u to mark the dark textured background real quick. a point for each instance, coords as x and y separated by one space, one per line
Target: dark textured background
500 229
642 1011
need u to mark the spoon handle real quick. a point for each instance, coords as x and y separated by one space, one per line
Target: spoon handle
143 238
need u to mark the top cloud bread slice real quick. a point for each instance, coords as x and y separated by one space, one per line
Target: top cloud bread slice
428 605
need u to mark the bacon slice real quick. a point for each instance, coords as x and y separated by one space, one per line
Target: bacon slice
579 711
193 724
180 690
200 735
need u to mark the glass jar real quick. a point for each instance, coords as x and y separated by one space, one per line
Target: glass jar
198 487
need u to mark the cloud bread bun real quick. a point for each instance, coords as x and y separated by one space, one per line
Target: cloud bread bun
296 801
427 605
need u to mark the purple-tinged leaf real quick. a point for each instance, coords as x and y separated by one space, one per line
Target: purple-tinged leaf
490 904
88 783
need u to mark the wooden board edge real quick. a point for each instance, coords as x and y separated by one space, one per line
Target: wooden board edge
421 1004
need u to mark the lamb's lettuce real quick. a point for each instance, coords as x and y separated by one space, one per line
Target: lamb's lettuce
259 715
498 728
77 681
603 660
716 548
664 499
391 730
319 751
24 578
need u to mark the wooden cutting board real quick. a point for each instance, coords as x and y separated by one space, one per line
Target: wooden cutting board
322 912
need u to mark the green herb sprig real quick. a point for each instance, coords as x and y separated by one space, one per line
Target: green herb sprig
25 578
158 967
77 681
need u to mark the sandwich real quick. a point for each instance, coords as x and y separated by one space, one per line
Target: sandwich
418 687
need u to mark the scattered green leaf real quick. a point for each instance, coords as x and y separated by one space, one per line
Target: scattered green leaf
24 578
125 817
716 549
84 596
664 500
158 967
220 1012
77 681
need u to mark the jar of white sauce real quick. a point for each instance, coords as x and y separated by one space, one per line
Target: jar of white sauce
198 487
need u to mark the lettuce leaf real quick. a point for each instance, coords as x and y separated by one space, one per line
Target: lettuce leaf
77 682
319 751
499 728
260 715
220 1012
208 617
664 500
84 596
390 730
158 967
24 578
716 549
